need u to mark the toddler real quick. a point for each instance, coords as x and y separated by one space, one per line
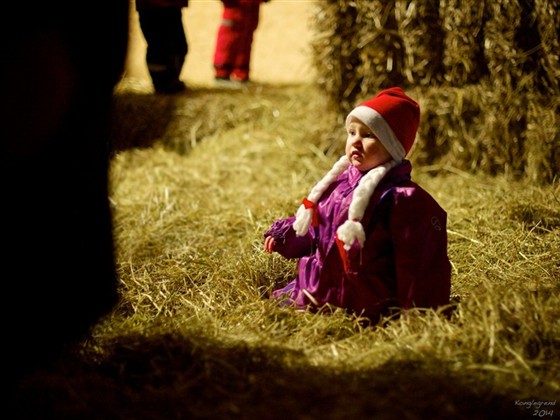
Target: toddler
369 239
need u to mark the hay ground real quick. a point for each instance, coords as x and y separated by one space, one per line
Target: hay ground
195 181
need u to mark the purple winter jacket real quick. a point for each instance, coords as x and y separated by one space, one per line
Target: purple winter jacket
404 261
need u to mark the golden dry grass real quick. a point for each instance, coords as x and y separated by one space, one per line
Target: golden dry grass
195 181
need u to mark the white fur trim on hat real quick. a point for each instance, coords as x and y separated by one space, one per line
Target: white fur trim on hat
375 121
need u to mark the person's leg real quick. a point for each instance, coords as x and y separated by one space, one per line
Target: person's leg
250 20
167 47
227 42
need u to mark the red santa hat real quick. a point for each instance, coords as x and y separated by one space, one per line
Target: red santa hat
393 117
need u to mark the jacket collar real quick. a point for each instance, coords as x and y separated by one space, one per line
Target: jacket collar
398 175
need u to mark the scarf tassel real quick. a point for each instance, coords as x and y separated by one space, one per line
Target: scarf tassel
314 213
342 252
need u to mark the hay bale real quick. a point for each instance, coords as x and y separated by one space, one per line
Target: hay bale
380 48
480 70
463 58
543 141
547 17
418 22
503 132
478 129
500 49
521 45
367 45
334 55
450 127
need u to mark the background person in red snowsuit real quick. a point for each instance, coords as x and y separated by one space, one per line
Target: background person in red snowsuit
232 56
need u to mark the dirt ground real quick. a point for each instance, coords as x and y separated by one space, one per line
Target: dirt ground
280 47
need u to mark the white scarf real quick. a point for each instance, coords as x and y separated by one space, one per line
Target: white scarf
352 229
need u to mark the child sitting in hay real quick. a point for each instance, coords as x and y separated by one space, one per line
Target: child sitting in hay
369 239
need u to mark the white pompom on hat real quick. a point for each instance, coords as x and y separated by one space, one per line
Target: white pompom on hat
394 118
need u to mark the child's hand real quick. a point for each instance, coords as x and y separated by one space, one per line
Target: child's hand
269 244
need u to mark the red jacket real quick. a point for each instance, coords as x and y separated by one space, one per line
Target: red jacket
404 261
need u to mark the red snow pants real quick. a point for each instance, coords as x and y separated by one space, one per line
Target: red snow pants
232 55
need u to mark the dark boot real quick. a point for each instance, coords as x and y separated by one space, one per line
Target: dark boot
166 81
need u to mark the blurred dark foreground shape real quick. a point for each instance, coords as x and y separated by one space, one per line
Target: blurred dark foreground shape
59 69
